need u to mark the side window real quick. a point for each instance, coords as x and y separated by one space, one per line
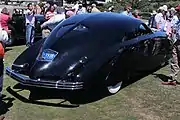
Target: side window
156 46
143 48
142 29
130 35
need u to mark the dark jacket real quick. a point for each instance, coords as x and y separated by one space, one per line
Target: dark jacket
152 22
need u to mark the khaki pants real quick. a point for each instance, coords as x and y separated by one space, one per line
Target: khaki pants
175 61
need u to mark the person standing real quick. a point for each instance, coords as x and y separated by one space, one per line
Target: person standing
38 9
127 10
160 20
30 25
94 9
89 9
53 21
50 12
175 62
81 10
151 21
173 15
4 19
136 14
2 52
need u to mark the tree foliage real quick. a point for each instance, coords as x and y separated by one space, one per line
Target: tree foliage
142 5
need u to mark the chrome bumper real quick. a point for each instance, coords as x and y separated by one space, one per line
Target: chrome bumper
25 80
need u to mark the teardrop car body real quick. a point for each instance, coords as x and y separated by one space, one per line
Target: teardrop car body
86 46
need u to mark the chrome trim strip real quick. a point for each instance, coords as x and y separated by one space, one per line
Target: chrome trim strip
25 80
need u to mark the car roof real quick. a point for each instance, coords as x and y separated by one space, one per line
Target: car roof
104 20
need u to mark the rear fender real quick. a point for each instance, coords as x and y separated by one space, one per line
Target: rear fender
28 56
96 71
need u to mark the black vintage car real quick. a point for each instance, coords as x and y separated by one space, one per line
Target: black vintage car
91 49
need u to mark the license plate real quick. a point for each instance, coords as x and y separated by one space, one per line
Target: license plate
48 55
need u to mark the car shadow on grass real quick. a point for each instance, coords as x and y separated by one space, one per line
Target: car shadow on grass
75 98
5 104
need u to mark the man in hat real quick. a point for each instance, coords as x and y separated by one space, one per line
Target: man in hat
175 62
159 19
173 16
94 9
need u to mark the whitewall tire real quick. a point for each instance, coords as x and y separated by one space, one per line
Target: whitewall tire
114 88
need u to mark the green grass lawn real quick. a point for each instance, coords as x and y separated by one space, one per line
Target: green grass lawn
145 99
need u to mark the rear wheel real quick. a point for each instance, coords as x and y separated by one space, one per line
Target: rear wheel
112 89
115 87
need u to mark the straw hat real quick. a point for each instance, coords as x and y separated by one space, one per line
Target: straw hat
165 8
93 5
160 8
172 9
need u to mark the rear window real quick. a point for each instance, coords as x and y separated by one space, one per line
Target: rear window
69 29
65 31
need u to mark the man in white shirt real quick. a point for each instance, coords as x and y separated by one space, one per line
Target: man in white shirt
160 21
56 18
52 21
